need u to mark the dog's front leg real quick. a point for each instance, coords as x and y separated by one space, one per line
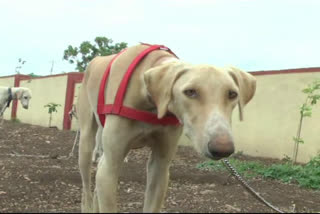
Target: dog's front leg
115 148
107 183
163 151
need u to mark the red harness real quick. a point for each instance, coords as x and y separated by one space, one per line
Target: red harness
118 108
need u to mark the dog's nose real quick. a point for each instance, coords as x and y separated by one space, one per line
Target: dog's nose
26 107
220 147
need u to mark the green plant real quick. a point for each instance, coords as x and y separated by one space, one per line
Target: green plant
314 162
52 107
313 95
247 168
304 175
287 159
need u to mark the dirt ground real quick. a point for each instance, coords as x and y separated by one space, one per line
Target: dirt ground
35 178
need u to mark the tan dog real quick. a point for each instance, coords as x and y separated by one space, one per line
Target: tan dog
202 97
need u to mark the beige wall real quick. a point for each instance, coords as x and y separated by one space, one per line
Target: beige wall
271 119
44 90
8 82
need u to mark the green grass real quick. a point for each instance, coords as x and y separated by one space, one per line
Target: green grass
307 176
15 120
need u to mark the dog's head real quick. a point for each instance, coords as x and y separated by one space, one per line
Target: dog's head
24 95
202 97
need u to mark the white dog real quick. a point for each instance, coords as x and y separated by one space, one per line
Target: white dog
8 94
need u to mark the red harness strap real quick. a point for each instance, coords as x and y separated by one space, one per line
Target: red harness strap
117 108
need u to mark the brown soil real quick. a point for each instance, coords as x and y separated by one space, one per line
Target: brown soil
44 182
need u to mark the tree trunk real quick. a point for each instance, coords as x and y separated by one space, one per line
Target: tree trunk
296 145
50 118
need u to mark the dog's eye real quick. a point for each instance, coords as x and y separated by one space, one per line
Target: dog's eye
191 93
25 97
232 95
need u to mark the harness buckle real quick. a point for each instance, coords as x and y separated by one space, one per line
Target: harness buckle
164 48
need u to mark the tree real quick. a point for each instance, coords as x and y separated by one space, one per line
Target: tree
313 96
83 54
21 62
34 75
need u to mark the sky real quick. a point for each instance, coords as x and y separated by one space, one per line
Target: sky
253 35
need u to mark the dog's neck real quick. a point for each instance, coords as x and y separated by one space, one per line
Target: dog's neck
14 91
165 59
9 97
6 96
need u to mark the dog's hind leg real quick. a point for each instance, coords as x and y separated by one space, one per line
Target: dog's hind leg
97 153
95 201
88 129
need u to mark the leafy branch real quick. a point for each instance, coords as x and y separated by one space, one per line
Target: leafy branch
83 54
21 62
313 96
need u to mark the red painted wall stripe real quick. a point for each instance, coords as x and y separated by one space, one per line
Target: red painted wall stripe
73 79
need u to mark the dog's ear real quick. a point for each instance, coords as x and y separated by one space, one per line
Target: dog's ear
247 87
159 82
